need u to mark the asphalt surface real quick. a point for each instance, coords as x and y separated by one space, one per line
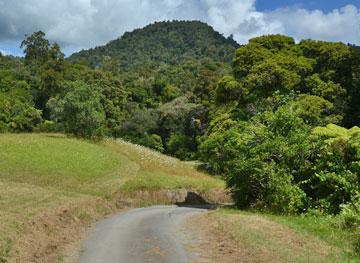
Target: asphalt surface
140 235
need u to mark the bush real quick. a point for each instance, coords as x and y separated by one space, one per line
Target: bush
180 146
154 141
261 160
48 126
349 218
79 111
17 112
335 179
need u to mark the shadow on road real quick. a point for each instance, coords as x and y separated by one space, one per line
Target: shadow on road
194 200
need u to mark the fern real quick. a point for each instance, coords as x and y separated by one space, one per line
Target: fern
333 133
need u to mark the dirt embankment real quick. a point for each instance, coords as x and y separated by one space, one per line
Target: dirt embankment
54 234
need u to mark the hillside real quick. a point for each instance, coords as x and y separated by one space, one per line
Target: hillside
163 42
53 186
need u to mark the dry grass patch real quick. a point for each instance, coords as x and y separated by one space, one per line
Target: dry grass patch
245 237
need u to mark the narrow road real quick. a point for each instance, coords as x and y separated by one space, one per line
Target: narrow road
140 235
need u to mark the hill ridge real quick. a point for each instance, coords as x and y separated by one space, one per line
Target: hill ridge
170 42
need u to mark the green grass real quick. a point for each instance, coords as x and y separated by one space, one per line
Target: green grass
59 162
289 238
325 228
157 171
40 173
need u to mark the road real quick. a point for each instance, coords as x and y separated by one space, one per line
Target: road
140 235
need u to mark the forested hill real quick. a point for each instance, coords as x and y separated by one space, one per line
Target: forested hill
162 42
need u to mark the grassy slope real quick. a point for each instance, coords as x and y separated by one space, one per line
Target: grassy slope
270 238
40 172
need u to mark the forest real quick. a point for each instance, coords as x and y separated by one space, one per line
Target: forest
278 120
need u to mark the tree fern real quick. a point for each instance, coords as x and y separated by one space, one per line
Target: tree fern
333 133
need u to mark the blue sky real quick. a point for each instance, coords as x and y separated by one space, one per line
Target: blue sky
81 24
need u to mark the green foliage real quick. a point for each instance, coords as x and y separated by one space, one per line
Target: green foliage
46 62
169 93
336 172
79 111
259 160
262 142
246 57
36 47
274 162
156 143
163 42
349 218
273 42
315 110
17 112
228 89
180 146
174 115
268 77
48 127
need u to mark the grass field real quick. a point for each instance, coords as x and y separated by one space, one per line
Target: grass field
41 173
259 237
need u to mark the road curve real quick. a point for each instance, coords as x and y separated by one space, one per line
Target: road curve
139 235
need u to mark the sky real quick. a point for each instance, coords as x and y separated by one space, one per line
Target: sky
81 24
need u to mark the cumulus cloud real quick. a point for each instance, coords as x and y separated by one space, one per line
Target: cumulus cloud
77 24
339 25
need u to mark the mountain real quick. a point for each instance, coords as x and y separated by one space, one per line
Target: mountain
170 42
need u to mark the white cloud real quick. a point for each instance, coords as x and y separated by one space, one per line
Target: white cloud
339 25
79 24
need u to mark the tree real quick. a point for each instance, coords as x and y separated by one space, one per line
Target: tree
36 47
227 90
268 77
47 63
246 57
273 42
315 110
79 111
17 112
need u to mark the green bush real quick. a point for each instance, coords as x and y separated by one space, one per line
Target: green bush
17 112
79 111
155 142
180 146
261 159
48 126
349 218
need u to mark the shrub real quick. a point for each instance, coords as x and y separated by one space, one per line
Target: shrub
155 142
181 146
261 160
349 218
48 126
79 111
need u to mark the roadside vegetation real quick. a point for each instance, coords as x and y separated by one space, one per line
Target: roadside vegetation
258 237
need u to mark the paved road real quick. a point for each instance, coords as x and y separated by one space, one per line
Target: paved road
140 235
